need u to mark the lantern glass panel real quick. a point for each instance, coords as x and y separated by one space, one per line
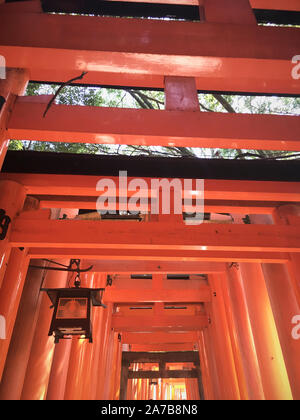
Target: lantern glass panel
72 308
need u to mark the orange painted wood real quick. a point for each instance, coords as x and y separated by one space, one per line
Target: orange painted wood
210 206
285 306
162 255
160 295
181 94
59 370
222 55
12 198
271 363
292 5
76 185
158 338
150 235
159 323
226 367
172 127
13 84
244 334
123 266
10 295
42 348
236 350
229 11
22 337
163 347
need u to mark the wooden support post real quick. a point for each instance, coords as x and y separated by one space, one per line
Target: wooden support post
244 334
205 368
271 363
181 94
283 289
16 361
42 348
285 306
229 389
12 286
124 380
12 198
108 367
104 348
211 351
289 215
59 370
229 11
10 295
236 350
13 85
80 360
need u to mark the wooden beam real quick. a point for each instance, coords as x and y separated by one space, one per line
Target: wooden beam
210 52
210 206
163 347
66 123
159 338
162 295
159 323
151 374
142 267
165 357
215 189
292 5
154 236
181 256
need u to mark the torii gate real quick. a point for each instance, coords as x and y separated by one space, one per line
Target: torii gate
235 300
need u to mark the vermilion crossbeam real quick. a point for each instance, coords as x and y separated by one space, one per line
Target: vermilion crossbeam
154 236
76 185
152 127
138 52
159 323
168 295
154 260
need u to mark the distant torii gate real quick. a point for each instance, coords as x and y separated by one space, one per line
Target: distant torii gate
235 297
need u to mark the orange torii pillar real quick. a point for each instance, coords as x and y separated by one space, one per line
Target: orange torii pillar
62 350
80 359
59 370
212 361
244 334
109 372
11 86
285 305
233 338
19 349
271 363
206 372
115 369
289 215
104 351
12 198
228 380
12 286
42 348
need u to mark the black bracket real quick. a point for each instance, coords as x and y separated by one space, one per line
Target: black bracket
2 102
62 267
4 224
109 280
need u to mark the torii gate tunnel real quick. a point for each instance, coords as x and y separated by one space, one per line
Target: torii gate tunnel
189 310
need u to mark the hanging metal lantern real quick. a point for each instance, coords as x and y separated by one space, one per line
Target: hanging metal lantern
72 311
